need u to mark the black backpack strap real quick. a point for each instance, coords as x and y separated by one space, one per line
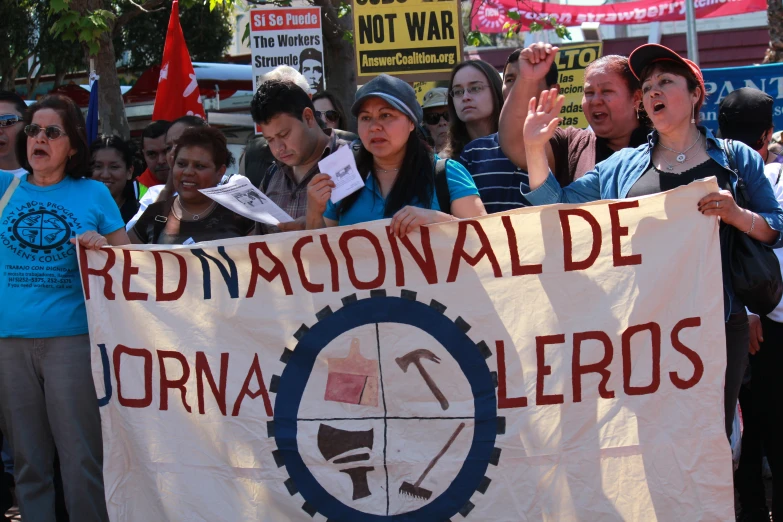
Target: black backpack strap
442 186
159 223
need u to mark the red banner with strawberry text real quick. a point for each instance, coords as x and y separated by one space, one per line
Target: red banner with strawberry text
493 16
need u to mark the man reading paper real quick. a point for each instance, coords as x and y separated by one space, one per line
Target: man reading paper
286 117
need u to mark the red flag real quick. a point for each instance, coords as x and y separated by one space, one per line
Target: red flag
178 93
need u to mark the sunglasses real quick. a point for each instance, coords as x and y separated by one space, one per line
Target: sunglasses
330 116
433 118
6 120
52 132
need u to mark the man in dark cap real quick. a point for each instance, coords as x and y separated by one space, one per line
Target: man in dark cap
746 115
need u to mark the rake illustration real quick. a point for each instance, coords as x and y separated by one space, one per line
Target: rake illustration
415 490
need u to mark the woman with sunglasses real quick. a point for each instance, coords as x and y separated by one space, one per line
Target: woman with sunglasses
12 107
436 117
330 110
399 169
47 396
113 164
475 101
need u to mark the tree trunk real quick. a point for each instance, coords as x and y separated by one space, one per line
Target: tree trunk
339 59
111 108
775 18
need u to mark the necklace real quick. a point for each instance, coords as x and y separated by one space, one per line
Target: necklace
669 166
193 217
682 156
375 167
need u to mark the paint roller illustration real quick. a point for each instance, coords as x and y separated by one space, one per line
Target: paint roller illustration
352 379
415 490
334 441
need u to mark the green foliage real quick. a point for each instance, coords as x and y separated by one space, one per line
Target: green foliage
478 39
207 32
343 9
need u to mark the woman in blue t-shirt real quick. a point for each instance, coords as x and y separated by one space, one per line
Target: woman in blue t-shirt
47 395
399 169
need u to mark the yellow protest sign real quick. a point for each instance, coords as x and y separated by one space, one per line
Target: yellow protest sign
571 63
410 39
422 88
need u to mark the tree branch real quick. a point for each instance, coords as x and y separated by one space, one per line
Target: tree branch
146 7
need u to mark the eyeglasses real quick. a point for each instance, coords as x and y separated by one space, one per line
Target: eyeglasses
52 132
473 90
433 118
6 120
330 116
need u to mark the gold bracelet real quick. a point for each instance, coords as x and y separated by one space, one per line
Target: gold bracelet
752 222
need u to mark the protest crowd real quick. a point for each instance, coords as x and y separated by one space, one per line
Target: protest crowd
484 144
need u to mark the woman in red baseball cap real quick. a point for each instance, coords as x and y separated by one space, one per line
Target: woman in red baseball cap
679 151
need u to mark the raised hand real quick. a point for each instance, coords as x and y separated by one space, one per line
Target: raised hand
535 61
543 118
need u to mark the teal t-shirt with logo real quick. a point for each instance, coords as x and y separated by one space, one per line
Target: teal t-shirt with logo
40 287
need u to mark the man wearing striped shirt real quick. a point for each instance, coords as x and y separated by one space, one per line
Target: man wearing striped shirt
501 184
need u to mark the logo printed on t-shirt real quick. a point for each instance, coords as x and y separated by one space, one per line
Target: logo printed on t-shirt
40 231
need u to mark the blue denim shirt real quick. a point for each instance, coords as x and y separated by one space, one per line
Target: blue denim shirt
614 177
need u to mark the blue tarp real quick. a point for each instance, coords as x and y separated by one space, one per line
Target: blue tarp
720 82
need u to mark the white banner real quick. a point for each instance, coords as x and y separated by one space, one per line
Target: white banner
560 363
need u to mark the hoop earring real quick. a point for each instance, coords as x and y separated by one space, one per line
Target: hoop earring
693 114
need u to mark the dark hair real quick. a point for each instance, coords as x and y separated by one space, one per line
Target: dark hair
128 153
208 138
614 63
156 129
670 66
275 97
415 180
15 100
78 165
341 123
551 76
458 131
189 121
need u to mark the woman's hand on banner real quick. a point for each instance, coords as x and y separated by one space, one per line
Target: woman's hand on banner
409 218
722 204
90 240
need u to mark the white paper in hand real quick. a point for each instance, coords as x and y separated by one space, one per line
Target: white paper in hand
341 166
246 200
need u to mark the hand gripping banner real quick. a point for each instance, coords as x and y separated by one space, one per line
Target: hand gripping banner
557 363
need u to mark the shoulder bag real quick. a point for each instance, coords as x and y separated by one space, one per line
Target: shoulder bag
755 269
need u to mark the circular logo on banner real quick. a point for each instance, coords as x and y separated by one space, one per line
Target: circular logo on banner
386 410
41 230
491 16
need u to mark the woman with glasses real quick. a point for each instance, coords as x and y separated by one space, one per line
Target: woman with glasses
329 109
436 117
47 395
113 165
401 175
475 101
12 107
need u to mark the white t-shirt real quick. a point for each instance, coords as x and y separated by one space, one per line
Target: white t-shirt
18 172
774 173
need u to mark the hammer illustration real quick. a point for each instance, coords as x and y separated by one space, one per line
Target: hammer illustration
415 357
